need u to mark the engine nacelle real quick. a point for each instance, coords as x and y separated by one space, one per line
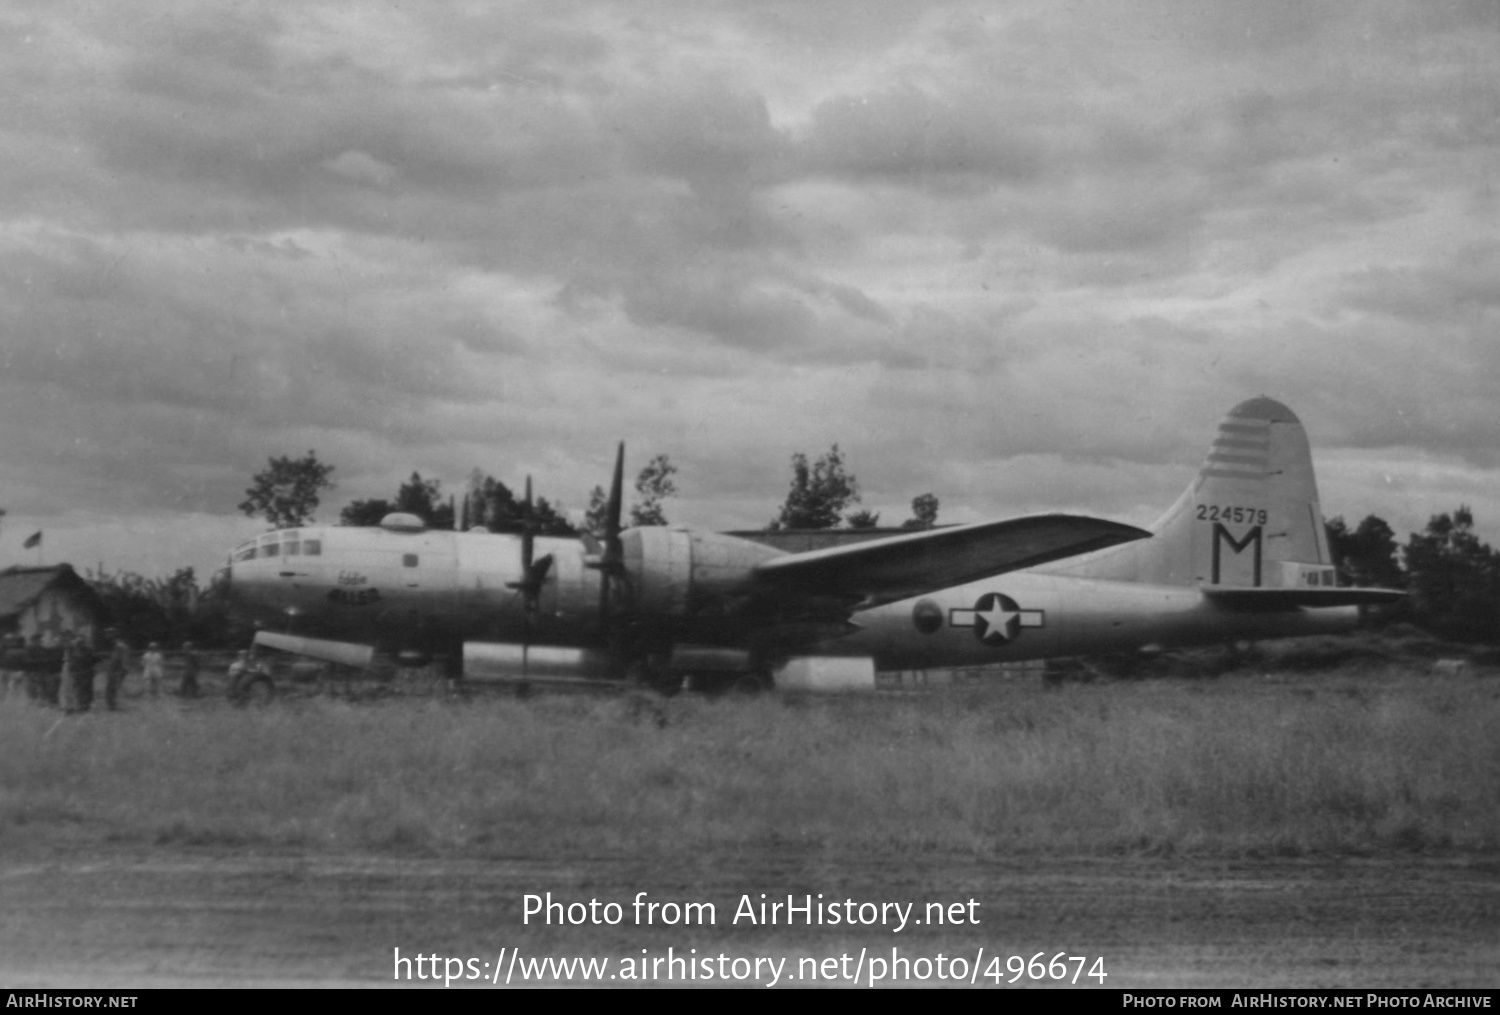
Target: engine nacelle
674 572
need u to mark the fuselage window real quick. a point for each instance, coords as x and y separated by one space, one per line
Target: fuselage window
409 560
312 547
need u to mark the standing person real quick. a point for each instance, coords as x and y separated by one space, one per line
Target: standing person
189 686
67 685
153 669
44 671
76 688
240 672
115 668
83 673
14 665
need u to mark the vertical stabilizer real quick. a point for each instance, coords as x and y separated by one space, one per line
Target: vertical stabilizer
1250 519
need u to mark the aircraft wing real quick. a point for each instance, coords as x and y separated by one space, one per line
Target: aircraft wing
1249 600
898 567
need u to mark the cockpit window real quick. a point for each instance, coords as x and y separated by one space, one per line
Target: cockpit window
312 547
291 549
244 553
270 549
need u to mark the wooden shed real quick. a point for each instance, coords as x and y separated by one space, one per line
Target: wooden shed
48 601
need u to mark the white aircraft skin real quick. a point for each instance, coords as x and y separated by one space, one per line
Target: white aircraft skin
1253 508
1241 554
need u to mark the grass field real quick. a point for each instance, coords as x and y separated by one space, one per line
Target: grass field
1373 757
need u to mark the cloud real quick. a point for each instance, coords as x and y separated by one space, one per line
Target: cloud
1017 256
1462 291
361 168
905 136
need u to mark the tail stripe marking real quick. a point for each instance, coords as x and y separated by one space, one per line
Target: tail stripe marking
1240 451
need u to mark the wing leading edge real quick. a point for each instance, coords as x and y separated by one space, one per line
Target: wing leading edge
885 570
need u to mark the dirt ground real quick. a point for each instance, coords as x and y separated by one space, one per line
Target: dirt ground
212 916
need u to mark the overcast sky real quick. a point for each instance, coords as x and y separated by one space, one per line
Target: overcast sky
1021 255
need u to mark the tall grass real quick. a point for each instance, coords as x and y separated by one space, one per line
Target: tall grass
1391 761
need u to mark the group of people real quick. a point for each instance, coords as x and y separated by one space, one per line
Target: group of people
63 675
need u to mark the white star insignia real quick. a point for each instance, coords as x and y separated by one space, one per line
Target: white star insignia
1000 623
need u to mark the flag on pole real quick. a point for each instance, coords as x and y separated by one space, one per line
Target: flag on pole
35 539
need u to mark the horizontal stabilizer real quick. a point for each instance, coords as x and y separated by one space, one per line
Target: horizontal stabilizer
898 567
343 652
1270 600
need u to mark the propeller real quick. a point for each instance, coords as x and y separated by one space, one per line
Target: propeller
609 561
533 574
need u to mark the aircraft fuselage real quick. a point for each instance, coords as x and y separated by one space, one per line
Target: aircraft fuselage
1035 615
370 584
435 590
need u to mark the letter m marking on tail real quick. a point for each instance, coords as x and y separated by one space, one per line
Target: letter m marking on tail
1252 542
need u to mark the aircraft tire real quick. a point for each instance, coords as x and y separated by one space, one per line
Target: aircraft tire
257 690
748 685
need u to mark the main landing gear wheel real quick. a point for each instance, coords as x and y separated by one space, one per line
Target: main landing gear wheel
748 685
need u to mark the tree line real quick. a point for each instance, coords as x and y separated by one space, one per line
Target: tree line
167 610
1453 577
822 493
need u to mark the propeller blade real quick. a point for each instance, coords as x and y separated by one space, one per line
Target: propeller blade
536 577
612 560
616 499
533 571
528 531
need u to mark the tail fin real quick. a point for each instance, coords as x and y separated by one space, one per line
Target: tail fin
1248 530
1251 518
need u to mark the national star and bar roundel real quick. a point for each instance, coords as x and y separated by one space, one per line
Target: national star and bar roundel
996 618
